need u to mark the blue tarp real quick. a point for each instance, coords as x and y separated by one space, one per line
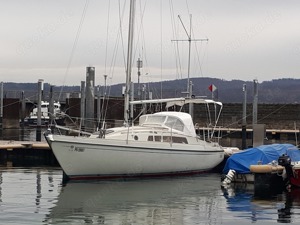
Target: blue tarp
241 161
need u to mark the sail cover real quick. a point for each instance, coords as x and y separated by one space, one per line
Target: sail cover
241 161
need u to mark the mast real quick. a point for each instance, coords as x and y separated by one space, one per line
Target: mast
189 36
129 62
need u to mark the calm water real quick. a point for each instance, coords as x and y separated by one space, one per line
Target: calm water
37 196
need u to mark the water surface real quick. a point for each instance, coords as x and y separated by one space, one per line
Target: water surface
37 196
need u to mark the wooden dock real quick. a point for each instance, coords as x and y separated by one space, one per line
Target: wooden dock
11 145
26 153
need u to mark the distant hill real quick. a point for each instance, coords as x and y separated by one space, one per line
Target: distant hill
274 91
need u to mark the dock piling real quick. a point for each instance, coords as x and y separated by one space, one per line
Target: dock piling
244 121
1 108
39 112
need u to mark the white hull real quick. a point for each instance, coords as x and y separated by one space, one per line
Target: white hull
108 158
58 115
32 121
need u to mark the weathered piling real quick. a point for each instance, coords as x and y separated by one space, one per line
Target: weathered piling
244 121
90 97
39 111
23 109
98 106
1 108
82 104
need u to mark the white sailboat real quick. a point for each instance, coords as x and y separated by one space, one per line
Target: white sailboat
163 143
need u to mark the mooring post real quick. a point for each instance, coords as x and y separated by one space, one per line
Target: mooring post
1 108
244 121
23 115
82 105
39 111
99 107
51 106
23 109
255 102
90 98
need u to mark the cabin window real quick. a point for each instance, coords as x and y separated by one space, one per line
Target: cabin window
150 138
175 139
156 119
167 138
174 123
157 138
181 140
142 119
151 120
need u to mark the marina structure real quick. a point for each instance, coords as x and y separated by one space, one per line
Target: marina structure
281 120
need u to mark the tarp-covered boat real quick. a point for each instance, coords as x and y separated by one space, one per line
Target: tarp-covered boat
240 162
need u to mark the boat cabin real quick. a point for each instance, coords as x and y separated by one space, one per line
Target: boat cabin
178 121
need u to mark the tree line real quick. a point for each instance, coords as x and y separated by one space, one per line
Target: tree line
281 91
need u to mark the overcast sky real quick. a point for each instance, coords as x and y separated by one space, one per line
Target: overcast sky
248 39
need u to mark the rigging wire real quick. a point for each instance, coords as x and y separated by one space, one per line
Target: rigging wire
161 57
143 42
200 61
198 56
74 45
105 66
140 32
176 49
187 6
248 115
156 93
114 56
140 43
121 34
108 20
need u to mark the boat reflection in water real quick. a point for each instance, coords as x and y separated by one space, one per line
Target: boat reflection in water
283 207
185 200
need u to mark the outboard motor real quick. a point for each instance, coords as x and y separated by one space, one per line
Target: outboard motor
229 177
285 161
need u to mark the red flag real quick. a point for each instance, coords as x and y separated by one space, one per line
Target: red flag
212 88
